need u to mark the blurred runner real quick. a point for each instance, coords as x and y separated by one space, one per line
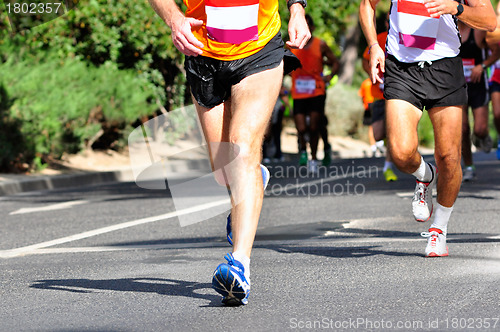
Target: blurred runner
309 94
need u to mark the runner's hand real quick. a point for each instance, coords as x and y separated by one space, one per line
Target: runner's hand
440 7
183 38
377 63
476 74
297 27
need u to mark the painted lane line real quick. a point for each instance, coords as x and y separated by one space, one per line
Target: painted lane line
258 244
53 207
31 248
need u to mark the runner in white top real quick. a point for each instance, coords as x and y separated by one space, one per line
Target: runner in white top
422 70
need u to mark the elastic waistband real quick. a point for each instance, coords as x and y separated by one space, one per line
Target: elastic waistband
417 64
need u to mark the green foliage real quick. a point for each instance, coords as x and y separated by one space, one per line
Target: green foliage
425 131
331 19
84 78
344 109
127 34
12 146
66 106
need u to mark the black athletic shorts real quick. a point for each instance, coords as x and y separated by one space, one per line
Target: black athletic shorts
378 110
307 105
478 93
211 80
494 87
439 84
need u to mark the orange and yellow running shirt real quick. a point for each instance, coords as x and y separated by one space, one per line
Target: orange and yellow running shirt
307 82
234 29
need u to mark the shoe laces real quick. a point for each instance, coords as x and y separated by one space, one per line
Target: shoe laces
434 235
421 192
234 263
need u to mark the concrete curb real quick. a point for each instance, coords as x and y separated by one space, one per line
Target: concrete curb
21 184
36 183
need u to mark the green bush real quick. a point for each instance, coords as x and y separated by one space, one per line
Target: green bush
344 109
13 152
126 34
67 106
425 131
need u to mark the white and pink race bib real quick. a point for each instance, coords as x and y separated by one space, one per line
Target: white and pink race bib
233 21
305 85
417 28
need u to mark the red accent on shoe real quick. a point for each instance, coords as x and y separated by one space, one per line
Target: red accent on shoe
433 254
435 230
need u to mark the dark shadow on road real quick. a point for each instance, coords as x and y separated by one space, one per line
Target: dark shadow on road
341 252
169 287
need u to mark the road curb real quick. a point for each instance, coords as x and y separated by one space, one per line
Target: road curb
23 184
16 186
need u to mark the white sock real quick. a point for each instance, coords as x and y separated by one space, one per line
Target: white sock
387 165
423 172
441 217
243 259
380 144
373 147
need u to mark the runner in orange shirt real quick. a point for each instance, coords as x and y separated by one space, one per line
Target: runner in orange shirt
309 93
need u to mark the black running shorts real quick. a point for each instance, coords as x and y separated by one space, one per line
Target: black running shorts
307 105
211 80
479 94
438 84
378 110
494 87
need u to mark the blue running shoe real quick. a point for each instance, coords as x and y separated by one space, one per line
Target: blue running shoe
229 281
498 150
265 179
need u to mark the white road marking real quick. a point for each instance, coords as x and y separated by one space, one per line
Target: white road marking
58 206
216 244
32 248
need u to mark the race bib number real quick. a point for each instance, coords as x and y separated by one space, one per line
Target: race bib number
305 85
233 23
417 29
468 65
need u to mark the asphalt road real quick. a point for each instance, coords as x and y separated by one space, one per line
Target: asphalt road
342 253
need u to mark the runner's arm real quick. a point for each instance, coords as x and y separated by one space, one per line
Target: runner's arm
331 60
297 27
377 56
181 26
478 14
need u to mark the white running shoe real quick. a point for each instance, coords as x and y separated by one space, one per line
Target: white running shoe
422 200
469 174
313 166
436 244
